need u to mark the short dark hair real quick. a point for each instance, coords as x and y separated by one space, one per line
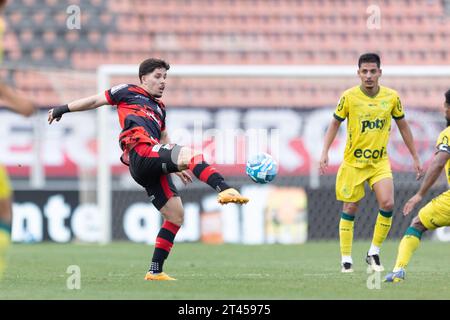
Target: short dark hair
447 97
149 65
369 57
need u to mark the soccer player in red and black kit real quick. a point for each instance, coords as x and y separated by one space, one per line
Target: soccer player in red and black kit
150 155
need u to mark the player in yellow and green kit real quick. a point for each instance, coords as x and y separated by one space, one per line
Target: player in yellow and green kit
435 213
15 102
368 109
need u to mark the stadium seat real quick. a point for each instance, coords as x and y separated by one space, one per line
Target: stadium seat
228 32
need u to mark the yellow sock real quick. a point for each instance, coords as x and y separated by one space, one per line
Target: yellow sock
382 227
5 240
408 245
346 233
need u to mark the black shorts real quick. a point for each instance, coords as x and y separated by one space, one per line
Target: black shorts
151 165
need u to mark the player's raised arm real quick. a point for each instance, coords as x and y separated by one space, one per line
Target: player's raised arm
87 103
407 136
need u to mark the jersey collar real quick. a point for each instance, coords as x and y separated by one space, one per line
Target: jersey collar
372 97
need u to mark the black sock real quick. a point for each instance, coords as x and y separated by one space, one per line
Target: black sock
159 255
207 173
164 243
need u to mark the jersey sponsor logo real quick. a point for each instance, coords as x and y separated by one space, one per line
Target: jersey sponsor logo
370 125
141 97
384 104
346 192
156 147
369 153
118 87
168 146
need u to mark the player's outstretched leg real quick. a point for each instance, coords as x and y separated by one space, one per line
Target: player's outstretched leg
195 162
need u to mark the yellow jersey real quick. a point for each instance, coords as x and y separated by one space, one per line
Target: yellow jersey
368 125
442 144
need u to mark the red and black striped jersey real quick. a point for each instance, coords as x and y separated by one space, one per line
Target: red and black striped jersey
142 117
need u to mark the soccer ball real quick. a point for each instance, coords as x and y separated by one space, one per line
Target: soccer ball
261 168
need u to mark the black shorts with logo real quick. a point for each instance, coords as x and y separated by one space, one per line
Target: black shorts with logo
151 165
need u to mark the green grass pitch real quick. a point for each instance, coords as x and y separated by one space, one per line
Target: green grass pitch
308 271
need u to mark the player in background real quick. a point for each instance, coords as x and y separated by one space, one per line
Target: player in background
150 155
368 108
12 100
435 213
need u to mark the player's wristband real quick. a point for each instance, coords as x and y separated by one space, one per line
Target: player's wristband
59 111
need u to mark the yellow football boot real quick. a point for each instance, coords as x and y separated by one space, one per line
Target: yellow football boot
231 195
158 276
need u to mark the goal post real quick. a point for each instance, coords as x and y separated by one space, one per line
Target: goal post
105 72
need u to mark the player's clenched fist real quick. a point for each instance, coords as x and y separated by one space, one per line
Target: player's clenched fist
57 112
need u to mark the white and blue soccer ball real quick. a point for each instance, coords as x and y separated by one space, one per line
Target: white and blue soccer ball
261 168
